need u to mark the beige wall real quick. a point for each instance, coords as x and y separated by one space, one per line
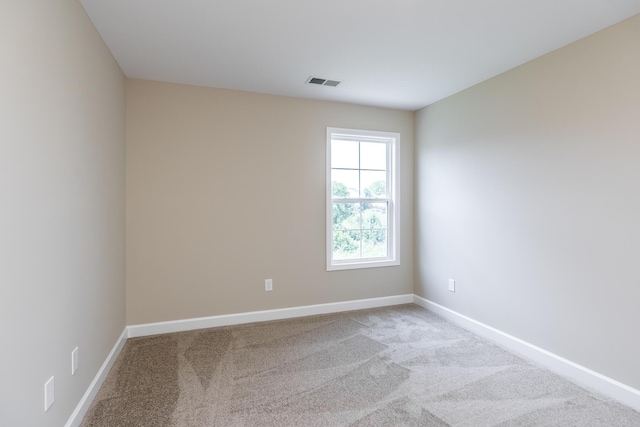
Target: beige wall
527 194
62 113
227 188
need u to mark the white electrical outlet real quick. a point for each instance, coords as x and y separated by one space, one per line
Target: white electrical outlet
74 360
268 284
48 394
452 285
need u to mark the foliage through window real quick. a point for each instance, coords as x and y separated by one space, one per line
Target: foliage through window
362 189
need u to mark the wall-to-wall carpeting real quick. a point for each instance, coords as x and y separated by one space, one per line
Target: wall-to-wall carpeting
390 366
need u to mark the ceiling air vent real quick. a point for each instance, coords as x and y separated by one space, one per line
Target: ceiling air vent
322 82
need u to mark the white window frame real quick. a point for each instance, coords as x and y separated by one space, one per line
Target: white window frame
392 140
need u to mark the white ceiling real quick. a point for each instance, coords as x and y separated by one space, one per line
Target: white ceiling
392 53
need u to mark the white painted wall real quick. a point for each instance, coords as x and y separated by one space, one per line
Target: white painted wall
62 114
527 194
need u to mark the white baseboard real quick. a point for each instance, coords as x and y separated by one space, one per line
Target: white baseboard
581 375
83 406
265 315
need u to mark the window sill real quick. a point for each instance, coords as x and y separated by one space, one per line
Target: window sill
345 265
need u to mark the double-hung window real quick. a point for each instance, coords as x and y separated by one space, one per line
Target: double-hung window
362 199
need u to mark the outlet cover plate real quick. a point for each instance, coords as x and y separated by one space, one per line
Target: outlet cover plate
452 285
268 284
74 360
48 394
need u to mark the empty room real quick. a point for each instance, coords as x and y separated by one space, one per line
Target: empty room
346 213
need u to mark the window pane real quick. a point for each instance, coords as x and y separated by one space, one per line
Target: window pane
374 215
374 243
373 155
346 245
344 154
346 216
344 183
373 184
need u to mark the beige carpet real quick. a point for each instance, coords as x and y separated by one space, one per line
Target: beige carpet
398 366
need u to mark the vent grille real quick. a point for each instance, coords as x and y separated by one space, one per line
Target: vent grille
322 82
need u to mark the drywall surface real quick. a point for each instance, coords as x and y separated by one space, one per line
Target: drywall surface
527 195
62 130
226 189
